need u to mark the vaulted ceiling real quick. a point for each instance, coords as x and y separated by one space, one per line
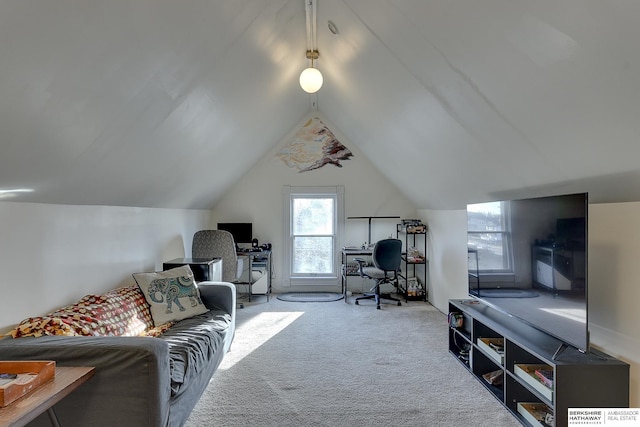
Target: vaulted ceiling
166 103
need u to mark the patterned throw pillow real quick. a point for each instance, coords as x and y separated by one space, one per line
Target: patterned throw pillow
172 294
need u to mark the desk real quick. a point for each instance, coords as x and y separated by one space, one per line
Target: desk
348 269
28 407
203 269
257 259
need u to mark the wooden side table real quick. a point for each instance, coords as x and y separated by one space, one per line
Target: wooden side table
28 407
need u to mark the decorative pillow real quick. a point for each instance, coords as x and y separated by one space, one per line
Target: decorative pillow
172 294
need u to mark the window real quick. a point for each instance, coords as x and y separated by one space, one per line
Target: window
314 220
488 232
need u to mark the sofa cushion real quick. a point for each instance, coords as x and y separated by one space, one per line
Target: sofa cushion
123 312
171 294
195 343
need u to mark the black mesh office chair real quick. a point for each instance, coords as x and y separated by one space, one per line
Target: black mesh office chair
386 260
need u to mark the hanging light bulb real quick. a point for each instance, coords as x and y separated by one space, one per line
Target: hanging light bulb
311 78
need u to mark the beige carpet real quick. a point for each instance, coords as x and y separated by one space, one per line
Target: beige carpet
337 364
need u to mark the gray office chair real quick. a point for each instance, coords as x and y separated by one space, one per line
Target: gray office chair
218 244
386 257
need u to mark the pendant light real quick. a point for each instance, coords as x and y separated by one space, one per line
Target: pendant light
311 78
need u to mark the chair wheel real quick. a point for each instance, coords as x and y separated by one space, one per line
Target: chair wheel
378 307
357 302
399 303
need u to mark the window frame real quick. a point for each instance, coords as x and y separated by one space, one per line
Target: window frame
289 194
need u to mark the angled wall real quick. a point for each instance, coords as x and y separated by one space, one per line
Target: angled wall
258 196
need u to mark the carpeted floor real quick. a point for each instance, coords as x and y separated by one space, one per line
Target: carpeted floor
337 364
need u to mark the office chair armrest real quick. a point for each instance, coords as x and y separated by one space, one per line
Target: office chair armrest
361 264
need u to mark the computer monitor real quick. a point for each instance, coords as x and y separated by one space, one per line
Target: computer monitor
242 231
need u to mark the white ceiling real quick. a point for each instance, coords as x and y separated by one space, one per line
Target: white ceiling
472 99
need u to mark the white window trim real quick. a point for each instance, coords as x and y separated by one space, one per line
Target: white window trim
288 192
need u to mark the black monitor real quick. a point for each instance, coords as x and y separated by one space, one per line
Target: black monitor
242 231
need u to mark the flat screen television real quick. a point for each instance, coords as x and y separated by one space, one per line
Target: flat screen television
242 231
528 258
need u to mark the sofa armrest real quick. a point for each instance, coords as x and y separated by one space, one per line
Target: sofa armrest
219 294
131 372
222 295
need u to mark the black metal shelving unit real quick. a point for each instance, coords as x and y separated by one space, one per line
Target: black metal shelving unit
409 266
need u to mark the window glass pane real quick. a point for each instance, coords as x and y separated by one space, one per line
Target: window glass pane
485 217
313 255
312 216
491 253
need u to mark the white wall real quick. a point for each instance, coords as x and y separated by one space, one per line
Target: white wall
614 284
258 196
614 291
51 255
447 246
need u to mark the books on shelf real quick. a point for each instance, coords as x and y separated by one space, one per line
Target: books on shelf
493 347
494 377
546 376
536 414
528 374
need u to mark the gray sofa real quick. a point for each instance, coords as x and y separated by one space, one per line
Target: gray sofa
139 381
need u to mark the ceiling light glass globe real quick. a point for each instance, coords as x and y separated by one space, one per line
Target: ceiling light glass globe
311 80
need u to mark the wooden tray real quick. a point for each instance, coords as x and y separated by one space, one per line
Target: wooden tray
31 374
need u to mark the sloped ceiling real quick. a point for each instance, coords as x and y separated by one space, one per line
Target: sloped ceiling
165 103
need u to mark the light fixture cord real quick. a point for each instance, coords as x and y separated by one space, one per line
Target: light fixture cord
315 26
310 6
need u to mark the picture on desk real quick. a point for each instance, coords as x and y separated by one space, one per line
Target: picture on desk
17 379
7 378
